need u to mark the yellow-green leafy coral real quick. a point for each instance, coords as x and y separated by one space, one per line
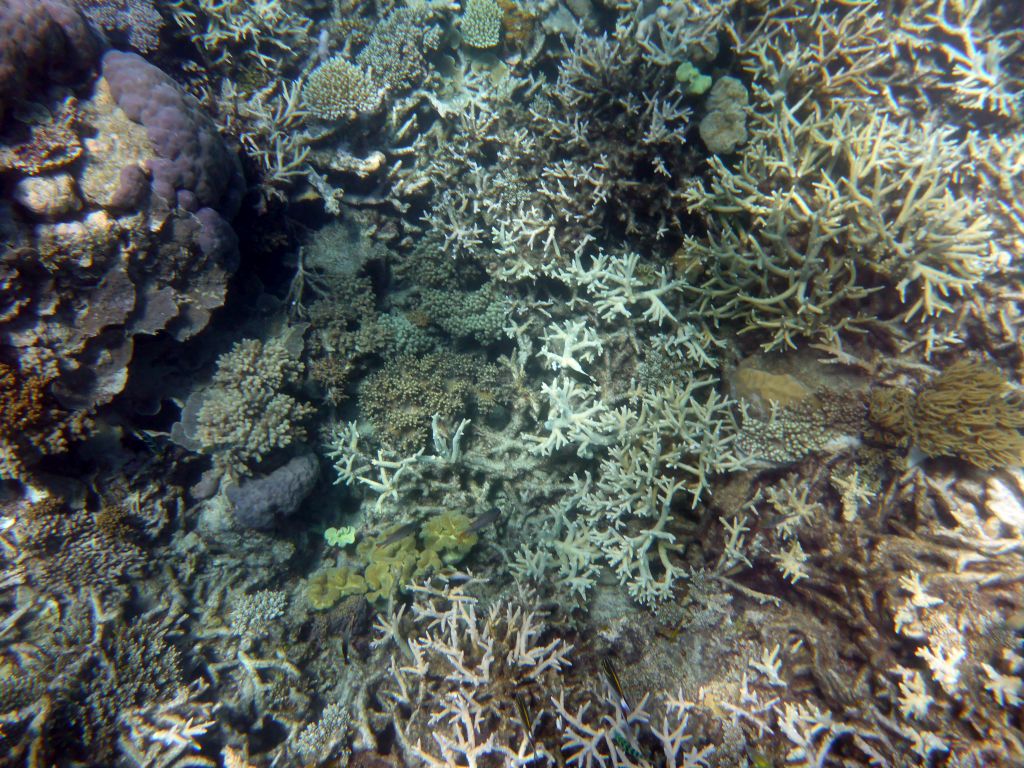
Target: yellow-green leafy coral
390 565
393 560
340 537
327 587
968 411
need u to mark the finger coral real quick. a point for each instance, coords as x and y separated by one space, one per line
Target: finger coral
968 411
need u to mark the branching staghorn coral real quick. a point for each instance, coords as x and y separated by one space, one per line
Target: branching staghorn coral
257 33
459 665
588 153
821 210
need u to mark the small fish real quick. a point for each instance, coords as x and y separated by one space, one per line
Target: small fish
344 650
613 678
409 529
759 759
524 718
629 746
672 632
631 752
484 520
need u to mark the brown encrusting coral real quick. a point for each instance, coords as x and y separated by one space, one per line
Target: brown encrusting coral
968 411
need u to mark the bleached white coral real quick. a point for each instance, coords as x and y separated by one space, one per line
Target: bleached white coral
617 290
943 659
1005 689
574 416
919 598
461 663
791 562
770 665
812 732
569 345
914 699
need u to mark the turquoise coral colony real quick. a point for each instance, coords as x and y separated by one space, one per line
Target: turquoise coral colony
577 383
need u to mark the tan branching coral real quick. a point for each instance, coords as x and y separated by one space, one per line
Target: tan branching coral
247 412
968 411
836 205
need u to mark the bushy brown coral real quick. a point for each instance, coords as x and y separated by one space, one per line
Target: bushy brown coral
66 551
21 401
825 421
31 425
968 411
401 398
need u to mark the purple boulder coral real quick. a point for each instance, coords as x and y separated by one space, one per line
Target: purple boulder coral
42 41
192 168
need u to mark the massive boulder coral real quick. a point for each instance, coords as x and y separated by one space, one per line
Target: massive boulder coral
120 228
41 41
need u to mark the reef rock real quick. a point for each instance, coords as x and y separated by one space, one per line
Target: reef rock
132 238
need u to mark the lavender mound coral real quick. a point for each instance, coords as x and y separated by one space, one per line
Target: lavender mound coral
193 168
41 41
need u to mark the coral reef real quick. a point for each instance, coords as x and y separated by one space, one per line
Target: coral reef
246 413
99 262
691 331
340 89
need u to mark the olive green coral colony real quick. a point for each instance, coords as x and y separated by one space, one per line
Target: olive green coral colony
511 383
